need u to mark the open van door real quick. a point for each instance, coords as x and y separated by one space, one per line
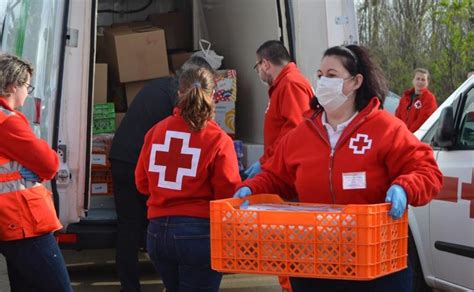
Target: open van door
59 38
35 30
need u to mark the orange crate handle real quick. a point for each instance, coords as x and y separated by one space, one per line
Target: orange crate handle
234 203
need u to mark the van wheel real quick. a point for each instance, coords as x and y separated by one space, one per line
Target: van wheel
419 283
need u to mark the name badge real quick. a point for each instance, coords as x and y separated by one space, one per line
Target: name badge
354 181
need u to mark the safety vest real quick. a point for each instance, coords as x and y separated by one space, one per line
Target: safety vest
26 209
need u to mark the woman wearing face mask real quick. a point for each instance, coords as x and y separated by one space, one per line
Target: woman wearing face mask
350 151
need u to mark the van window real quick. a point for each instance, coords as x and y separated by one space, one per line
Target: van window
33 30
466 129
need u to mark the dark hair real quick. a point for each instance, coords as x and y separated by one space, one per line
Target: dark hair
274 51
195 62
357 60
195 99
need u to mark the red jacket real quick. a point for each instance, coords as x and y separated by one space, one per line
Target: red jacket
375 151
19 143
290 95
26 208
415 113
182 170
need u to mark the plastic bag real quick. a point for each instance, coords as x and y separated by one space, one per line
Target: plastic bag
209 55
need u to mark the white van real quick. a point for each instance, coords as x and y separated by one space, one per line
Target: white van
59 38
443 231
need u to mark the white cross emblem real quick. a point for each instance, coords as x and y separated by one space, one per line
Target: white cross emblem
161 169
360 143
417 104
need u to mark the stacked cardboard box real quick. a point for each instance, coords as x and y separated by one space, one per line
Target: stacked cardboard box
131 54
103 118
100 83
178 29
225 96
136 53
101 176
177 59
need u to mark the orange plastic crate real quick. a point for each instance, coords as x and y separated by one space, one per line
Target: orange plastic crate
362 242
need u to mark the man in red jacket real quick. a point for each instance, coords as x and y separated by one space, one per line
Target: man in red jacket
417 103
289 97
289 94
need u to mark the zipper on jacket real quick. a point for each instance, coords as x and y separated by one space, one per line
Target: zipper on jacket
331 160
331 155
341 139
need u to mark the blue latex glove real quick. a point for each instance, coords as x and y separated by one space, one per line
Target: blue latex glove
253 170
242 193
28 175
398 197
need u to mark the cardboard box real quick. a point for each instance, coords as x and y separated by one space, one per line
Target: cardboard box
178 29
100 83
118 119
225 116
226 86
137 52
225 95
176 60
132 89
100 49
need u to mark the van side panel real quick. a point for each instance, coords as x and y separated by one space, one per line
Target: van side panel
237 28
318 26
74 109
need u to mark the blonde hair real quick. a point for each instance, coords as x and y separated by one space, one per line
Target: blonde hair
195 98
13 71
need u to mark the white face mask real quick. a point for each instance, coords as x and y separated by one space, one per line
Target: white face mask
329 93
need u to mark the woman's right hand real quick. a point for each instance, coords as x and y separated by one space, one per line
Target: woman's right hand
28 175
243 192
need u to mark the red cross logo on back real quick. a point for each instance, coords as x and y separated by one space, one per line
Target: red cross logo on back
173 160
360 143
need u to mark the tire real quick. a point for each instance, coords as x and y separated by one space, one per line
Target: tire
419 283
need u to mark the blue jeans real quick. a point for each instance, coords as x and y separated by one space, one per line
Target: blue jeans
397 282
35 264
180 250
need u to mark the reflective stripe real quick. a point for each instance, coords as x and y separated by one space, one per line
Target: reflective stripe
10 177
5 111
6 177
14 186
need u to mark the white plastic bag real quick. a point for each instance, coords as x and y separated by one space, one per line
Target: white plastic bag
209 55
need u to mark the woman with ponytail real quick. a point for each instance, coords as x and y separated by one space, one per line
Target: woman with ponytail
186 161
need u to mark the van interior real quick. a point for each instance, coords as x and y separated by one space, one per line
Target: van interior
181 28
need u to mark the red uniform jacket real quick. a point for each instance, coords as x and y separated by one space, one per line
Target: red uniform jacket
26 208
290 95
415 113
182 170
375 151
19 143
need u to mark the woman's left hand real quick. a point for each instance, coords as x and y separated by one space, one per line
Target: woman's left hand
398 197
28 175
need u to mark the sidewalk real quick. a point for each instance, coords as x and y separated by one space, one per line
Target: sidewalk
4 284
